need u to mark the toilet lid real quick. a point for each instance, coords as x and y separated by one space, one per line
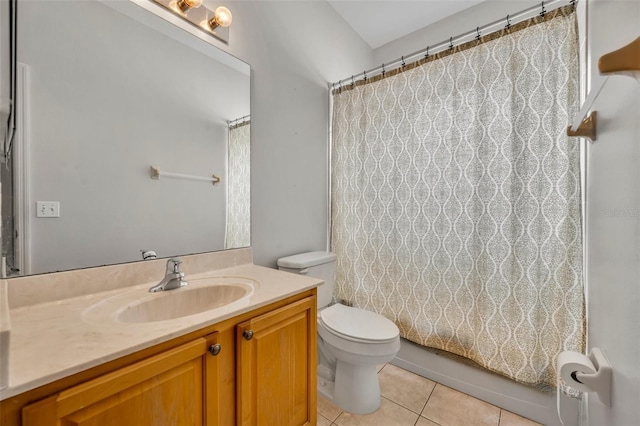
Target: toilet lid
358 323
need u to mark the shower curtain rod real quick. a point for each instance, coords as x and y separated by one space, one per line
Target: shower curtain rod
238 121
510 20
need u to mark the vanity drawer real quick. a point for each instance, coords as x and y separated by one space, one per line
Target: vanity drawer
164 389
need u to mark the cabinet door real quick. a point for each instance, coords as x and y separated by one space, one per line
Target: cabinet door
166 389
277 367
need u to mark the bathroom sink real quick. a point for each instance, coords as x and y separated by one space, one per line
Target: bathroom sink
184 302
203 294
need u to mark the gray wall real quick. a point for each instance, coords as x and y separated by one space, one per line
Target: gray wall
102 88
295 49
613 217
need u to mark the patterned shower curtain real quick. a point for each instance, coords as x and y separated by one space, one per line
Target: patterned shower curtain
456 205
238 232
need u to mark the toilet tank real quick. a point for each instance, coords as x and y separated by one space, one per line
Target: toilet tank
316 264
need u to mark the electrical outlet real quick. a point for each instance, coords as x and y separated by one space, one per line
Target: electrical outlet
47 209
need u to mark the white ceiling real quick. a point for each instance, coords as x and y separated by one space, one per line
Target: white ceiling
380 21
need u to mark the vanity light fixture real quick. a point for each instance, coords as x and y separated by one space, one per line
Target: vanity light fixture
215 23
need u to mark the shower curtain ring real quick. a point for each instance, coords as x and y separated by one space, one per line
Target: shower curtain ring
383 71
353 82
426 56
543 11
365 75
450 43
403 63
478 33
508 26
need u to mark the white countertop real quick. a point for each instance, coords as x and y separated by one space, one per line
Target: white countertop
55 339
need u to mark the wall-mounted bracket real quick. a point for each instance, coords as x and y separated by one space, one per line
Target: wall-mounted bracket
586 129
622 61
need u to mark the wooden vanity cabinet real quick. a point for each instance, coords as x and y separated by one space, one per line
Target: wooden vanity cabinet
277 367
258 368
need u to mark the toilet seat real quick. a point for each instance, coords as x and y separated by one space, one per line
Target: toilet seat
358 325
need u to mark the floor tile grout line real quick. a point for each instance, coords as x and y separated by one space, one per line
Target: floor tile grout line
403 406
336 418
325 418
423 417
425 404
330 402
428 397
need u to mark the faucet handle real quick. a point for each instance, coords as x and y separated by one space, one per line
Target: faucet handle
173 265
148 254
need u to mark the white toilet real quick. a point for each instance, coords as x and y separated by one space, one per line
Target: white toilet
352 342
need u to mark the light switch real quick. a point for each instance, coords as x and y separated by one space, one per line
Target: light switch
47 209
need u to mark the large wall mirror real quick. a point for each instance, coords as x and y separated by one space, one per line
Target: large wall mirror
105 91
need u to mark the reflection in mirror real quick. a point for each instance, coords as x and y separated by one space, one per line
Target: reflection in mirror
103 97
238 201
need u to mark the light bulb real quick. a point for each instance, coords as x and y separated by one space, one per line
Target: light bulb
221 18
182 6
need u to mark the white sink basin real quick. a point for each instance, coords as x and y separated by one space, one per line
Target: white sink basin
183 302
200 296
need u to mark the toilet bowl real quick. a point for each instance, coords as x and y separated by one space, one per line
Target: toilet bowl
352 342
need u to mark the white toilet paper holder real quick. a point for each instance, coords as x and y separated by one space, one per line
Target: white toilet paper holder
600 381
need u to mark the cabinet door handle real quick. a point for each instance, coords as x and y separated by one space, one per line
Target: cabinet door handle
248 334
215 349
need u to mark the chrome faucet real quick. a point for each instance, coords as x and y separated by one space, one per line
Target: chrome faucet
173 277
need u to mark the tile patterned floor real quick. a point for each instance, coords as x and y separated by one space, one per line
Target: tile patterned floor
412 400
